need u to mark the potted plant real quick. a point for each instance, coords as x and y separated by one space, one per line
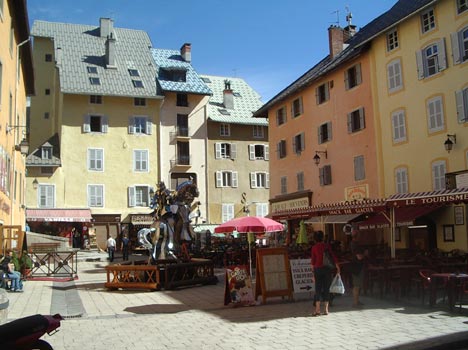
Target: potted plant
25 263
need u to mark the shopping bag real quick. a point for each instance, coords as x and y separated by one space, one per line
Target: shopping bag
337 286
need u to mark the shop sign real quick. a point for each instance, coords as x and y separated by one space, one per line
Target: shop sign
291 204
301 273
347 211
356 192
444 199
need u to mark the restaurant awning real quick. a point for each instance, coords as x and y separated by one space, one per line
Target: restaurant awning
404 216
457 195
59 215
332 219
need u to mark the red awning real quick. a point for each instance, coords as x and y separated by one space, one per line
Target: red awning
404 216
59 215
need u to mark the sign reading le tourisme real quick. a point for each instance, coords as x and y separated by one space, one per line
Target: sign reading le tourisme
301 273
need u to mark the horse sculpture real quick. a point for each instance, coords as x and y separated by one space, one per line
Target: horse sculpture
171 231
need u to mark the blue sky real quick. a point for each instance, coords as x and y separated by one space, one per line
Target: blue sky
267 43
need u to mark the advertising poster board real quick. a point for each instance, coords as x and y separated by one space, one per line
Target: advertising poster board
238 289
301 273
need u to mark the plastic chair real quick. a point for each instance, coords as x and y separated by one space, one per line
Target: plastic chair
425 278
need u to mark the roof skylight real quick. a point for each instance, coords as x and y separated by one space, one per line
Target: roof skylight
137 83
94 81
91 70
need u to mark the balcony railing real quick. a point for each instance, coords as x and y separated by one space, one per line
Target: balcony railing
180 132
181 161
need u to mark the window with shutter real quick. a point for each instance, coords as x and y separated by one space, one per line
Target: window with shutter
281 116
46 196
401 180
282 149
460 46
461 98
395 81
359 169
438 175
300 181
325 175
399 126
356 120
131 196
96 196
435 114
284 185
95 159
353 76
227 210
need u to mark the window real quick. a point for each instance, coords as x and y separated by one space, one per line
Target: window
226 179
227 212
46 115
392 40
356 120
462 6
138 196
46 152
182 100
48 57
47 92
300 181
95 159
435 114
96 196
182 125
95 81
461 98
46 196
460 46
296 108
95 123
399 126
183 153
140 160
281 149
353 76
431 60
258 131
427 20
259 179
225 150
401 180
259 152
395 81
140 125
284 185
179 75
261 209
325 175
322 93
95 99
298 143
137 83
281 116
224 129
438 175
91 69
139 102
359 168
133 72
324 132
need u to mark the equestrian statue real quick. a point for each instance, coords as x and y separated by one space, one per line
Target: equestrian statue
171 232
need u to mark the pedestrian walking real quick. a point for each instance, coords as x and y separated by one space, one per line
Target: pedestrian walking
125 246
111 244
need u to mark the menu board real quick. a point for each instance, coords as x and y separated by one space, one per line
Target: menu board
273 275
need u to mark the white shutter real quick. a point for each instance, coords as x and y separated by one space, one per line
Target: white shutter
234 179
346 79
131 196
302 142
253 180
267 176
319 135
233 151
350 123
329 130
105 124
358 74
327 91
267 152
217 150
461 108
442 57
420 64
455 48
317 95
149 127
252 152
219 179
86 123
362 119
131 125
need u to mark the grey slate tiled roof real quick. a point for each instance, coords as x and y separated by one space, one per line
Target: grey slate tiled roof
82 46
358 43
171 59
246 102
35 157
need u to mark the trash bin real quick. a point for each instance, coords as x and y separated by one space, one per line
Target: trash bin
4 303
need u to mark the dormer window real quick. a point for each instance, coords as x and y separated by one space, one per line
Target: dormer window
174 74
46 152
134 72
92 70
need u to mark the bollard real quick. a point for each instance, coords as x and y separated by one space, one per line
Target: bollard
4 303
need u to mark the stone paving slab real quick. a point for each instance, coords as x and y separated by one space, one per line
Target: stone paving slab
195 318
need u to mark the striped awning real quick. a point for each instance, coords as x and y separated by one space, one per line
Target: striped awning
59 215
457 195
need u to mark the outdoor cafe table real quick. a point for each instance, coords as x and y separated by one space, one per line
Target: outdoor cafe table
384 275
452 283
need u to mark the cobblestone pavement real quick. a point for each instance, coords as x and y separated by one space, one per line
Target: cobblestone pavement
195 318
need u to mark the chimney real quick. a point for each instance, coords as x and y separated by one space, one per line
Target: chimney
106 27
186 52
228 97
58 56
110 52
335 40
348 32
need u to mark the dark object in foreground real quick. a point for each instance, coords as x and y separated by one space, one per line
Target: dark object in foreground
24 333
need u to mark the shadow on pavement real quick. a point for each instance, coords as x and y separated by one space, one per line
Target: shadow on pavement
455 341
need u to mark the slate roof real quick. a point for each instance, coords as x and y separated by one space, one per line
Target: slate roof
246 102
82 46
170 60
35 157
359 43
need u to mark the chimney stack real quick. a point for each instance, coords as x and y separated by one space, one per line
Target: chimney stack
186 52
110 52
335 40
106 26
228 96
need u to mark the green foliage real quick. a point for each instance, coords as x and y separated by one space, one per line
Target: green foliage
25 261
15 261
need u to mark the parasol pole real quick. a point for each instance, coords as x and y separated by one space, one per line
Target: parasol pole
250 239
